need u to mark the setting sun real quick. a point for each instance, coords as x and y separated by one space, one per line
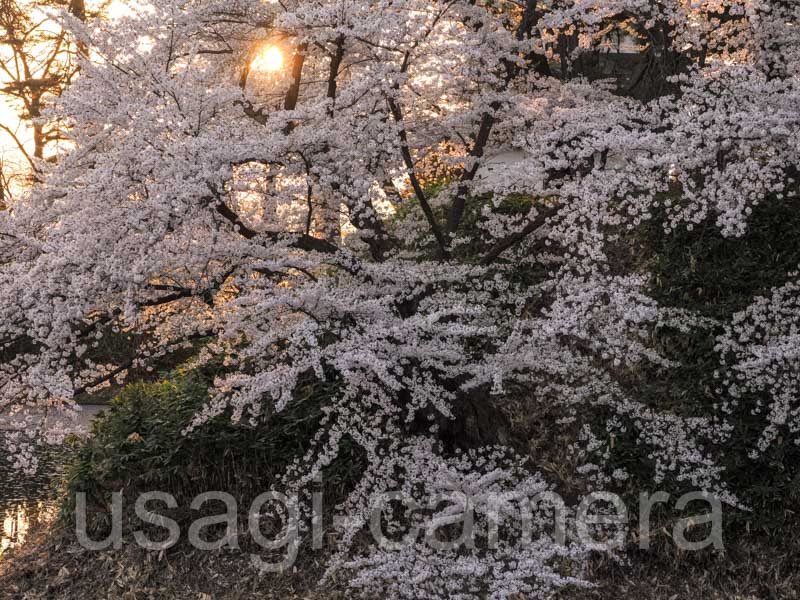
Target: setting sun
270 59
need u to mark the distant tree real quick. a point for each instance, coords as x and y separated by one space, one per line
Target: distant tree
3 187
37 61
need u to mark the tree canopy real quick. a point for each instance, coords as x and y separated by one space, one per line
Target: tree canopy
422 204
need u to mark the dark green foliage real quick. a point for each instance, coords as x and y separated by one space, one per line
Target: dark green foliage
717 276
139 443
714 276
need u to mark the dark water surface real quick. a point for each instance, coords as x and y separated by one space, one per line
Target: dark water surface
27 501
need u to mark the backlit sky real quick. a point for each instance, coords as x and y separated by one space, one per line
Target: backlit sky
9 112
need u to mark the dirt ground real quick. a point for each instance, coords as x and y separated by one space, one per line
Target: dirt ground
51 567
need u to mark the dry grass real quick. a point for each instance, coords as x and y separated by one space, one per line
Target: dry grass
52 567
751 568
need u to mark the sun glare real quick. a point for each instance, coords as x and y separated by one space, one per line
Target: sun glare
269 60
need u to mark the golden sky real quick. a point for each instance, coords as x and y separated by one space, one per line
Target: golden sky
9 112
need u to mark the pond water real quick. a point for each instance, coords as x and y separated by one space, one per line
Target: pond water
27 501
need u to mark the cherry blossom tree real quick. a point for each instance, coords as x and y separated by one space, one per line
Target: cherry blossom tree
342 216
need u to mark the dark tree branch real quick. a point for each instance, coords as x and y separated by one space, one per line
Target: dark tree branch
506 244
301 242
525 29
408 160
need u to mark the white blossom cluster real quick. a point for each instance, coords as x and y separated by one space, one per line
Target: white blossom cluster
760 363
508 540
205 199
